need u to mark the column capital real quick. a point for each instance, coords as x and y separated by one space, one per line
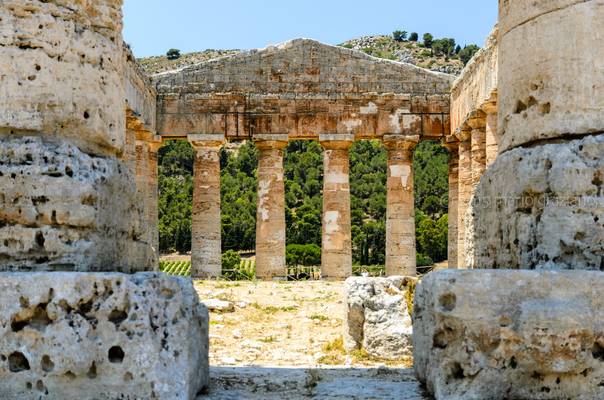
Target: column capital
398 141
489 107
265 141
451 143
477 120
463 133
199 141
155 144
336 141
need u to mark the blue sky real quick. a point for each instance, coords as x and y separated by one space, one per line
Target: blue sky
154 26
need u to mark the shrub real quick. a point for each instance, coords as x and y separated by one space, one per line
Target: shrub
173 54
414 37
423 260
466 54
230 261
303 254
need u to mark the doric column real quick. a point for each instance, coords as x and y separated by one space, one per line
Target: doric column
153 194
491 142
270 217
206 243
400 206
336 255
453 213
478 144
147 146
465 190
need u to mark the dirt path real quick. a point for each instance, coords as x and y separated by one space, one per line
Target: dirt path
283 340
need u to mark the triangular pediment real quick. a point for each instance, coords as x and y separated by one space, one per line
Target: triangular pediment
303 66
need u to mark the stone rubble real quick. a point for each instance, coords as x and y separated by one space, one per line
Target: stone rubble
378 319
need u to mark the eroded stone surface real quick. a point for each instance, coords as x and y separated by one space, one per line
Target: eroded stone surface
70 336
59 210
545 93
61 64
510 334
377 318
541 207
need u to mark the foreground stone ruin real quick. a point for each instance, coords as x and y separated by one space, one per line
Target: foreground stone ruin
76 119
510 334
71 336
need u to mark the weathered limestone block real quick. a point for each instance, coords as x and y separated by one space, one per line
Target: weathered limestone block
542 207
59 210
510 334
545 93
378 318
72 336
61 63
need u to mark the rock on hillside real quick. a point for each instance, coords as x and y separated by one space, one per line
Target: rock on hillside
410 52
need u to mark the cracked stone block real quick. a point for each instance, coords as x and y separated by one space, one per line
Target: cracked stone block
552 200
510 334
103 336
378 319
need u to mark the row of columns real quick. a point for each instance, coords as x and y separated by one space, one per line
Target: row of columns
336 256
472 149
141 156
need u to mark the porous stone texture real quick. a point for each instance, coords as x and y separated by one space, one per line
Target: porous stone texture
336 250
542 207
400 210
486 334
270 217
377 316
72 336
546 93
61 64
59 210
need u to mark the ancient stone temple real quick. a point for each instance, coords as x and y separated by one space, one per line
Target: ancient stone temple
516 316
76 123
303 90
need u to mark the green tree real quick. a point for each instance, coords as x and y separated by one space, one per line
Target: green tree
414 37
466 54
428 38
303 255
399 36
173 54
